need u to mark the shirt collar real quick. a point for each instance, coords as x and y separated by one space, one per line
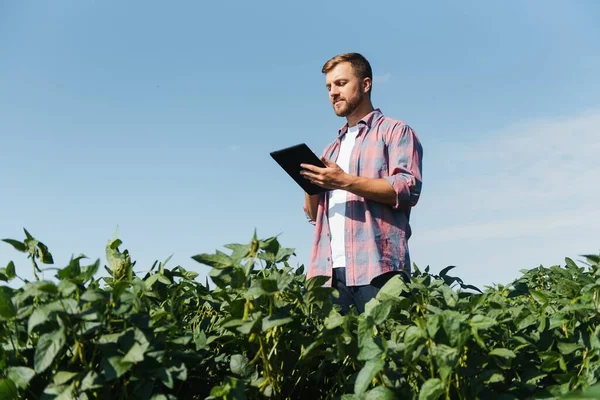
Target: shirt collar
368 120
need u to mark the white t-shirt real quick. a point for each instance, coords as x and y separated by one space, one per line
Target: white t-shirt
337 202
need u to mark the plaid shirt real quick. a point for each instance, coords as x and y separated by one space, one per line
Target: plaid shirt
376 233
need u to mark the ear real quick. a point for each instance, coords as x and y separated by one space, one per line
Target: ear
367 84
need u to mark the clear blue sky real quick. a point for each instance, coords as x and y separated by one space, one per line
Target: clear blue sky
159 118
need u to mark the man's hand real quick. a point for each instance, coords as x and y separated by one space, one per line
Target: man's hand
330 177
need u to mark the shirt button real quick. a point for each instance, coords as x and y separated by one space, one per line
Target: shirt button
328 259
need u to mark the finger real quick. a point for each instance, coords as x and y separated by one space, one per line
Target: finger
328 163
311 167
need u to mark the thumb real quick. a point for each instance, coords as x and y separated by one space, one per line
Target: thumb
326 161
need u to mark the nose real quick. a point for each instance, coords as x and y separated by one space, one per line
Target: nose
334 91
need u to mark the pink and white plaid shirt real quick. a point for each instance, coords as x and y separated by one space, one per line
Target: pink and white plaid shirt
376 234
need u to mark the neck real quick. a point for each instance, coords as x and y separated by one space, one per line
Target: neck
365 108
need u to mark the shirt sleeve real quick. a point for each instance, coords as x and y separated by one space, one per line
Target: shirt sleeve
405 164
310 220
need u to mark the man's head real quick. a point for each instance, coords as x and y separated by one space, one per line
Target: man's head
348 78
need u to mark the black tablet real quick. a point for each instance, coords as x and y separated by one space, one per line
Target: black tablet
290 159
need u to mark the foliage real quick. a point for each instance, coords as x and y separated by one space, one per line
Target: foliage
265 331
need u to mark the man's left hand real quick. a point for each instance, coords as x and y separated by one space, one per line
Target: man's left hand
330 177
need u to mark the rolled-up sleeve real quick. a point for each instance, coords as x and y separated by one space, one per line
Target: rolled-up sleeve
307 215
405 165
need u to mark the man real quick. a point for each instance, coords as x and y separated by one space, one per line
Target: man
373 169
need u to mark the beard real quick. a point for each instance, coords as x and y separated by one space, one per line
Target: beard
347 107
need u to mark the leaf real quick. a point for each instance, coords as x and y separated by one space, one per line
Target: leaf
62 377
568 348
392 288
200 339
366 375
432 389
411 337
9 273
333 320
48 346
315 282
139 347
502 352
481 322
7 308
21 376
239 251
539 296
369 349
380 393
434 323
273 321
42 314
8 390
91 381
19 246
283 254
381 311
239 365
269 285
218 260
444 272
114 367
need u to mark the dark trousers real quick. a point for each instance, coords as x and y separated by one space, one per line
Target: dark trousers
356 296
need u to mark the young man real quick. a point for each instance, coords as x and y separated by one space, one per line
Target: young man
373 169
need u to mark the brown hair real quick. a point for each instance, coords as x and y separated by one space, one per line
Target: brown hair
359 63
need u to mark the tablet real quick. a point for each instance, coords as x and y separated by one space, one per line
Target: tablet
290 159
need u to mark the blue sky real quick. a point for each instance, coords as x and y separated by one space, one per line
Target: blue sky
159 118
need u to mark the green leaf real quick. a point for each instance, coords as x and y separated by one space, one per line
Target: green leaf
7 308
166 378
21 376
239 365
272 321
481 322
316 282
114 367
62 377
381 311
411 337
218 260
269 285
239 251
393 288
333 320
369 349
8 390
44 313
380 393
19 246
568 348
48 346
432 389
502 352
138 349
539 296
445 271
91 381
200 339
366 375
9 273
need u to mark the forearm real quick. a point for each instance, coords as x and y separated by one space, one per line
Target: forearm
311 204
376 189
